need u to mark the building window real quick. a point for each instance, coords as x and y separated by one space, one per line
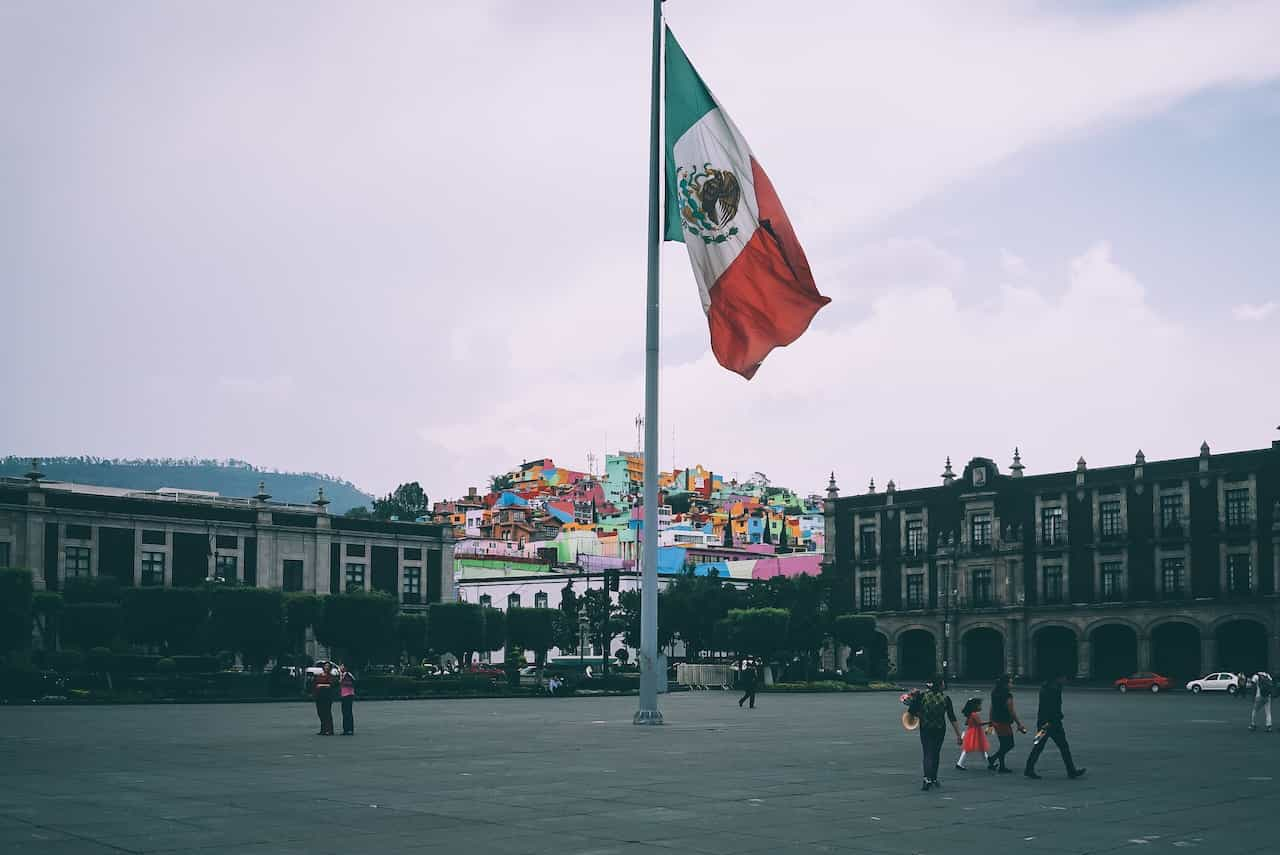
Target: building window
151 537
540 600
1171 512
1051 533
1240 573
355 550
915 590
915 537
486 601
224 567
292 575
77 561
412 554
1172 571
1110 512
78 532
1238 508
983 588
870 594
1053 592
355 577
4 553
513 601
980 530
227 541
867 534
412 583
153 568
979 476
1112 581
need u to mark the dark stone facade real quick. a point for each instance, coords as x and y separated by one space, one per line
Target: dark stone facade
1169 565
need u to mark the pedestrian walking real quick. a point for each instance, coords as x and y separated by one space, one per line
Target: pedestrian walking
1264 688
322 691
749 680
975 740
933 709
347 695
1049 719
1004 716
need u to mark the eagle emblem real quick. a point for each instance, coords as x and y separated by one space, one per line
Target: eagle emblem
709 200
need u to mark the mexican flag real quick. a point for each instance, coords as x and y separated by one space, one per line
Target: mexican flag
754 281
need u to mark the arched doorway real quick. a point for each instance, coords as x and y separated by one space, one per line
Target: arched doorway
983 653
1057 652
1175 651
1114 652
917 655
1242 646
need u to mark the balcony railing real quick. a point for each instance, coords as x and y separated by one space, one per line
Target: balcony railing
1173 529
1053 539
870 604
411 599
915 604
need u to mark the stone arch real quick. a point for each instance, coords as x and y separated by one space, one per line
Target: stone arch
1242 642
982 647
1055 647
1113 649
917 653
1138 629
1175 648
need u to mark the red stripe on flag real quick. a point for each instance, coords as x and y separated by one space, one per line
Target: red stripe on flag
767 297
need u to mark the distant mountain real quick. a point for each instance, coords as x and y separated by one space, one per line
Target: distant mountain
225 477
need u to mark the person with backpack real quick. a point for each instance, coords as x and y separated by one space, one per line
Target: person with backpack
1264 689
933 709
1049 719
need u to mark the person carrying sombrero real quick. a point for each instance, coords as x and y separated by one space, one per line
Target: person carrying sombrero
933 709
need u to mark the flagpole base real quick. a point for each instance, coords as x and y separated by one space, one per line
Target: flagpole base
647 717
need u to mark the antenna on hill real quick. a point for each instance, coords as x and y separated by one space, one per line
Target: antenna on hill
639 433
591 463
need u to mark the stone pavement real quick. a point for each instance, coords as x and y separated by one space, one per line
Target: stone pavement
800 773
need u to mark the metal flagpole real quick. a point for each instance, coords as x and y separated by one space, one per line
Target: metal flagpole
648 712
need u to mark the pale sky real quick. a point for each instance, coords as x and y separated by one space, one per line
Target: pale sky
405 241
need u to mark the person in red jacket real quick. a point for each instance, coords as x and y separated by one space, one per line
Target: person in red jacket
322 690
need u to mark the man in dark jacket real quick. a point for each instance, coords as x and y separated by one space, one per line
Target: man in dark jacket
1049 720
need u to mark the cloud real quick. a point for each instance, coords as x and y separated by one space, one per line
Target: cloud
1254 311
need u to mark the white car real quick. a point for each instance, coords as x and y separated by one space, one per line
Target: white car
1222 681
317 668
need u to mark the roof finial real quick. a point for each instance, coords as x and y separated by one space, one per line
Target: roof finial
1017 466
320 501
871 487
263 495
35 474
947 475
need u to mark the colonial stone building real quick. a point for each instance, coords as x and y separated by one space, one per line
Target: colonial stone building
182 538
1171 566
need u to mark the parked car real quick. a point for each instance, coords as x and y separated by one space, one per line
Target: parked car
482 670
1220 681
1144 680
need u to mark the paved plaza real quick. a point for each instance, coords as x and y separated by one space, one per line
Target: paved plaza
800 773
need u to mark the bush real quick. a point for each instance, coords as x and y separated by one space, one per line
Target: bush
856 676
170 618
15 609
87 625
166 665
91 589
196 664
64 661
132 663
388 685
24 684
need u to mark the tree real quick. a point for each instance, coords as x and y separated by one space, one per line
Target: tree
604 621
783 546
247 621
499 483
456 628
494 628
854 631
46 608
16 594
629 605
412 631
89 625
761 633
91 589
532 629
728 532
359 512
695 603
406 502
301 612
565 629
172 619
679 502
768 531
359 625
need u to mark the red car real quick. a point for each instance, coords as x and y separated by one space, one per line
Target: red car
1153 683
482 670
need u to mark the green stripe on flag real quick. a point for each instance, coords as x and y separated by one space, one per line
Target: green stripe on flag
687 100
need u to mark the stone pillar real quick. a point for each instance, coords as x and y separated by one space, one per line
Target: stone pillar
1085 664
1144 653
1208 653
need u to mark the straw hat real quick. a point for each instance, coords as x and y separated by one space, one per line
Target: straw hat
910 722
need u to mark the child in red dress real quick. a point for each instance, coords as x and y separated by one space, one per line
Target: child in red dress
975 739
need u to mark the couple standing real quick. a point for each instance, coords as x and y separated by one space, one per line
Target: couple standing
323 687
